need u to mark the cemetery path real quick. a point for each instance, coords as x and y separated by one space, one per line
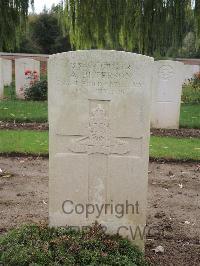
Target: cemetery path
173 205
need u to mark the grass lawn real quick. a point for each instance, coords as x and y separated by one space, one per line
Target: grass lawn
24 141
23 111
190 116
175 148
36 142
33 111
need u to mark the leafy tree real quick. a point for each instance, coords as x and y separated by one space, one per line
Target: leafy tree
145 26
13 15
197 25
44 35
44 31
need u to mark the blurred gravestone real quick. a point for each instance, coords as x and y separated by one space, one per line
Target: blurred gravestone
7 72
190 71
25 72
99 104
166 99
1 78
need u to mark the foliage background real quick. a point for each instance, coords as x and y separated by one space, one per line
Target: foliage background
160 28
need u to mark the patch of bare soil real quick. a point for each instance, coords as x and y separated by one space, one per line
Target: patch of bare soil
23 191
179 133
23 126
173 205
174 214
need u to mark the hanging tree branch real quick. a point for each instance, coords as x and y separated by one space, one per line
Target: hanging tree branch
197 23
145 26
13 14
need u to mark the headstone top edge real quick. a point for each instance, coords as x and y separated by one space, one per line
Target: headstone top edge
26 58
186 64
169 62
100 52
5 59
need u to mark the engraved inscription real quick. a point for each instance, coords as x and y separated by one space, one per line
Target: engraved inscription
102 71
166 72
104 78
99 139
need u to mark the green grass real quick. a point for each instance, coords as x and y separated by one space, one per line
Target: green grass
23 111
12 109
190 116
41 245
34 111
36 142
175 148
24 141
9 91
191 93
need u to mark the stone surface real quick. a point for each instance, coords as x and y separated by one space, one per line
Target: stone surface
22 80
1 79
7 72
166 98
190 70
99 105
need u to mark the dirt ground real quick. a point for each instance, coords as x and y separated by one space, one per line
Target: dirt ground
178 133
173 205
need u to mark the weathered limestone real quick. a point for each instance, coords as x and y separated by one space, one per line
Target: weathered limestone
24 71
7 72
166 97
99 105
190 70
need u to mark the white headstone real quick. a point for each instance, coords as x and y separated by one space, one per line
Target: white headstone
166 98
7 72
195 69
1 79
190 71
24 71
99 105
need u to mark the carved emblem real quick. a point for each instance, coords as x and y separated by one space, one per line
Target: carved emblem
99 139
166 72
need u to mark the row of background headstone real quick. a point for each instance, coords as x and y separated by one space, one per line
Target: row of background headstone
24 69
167 83
12 71
168 79
5 74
